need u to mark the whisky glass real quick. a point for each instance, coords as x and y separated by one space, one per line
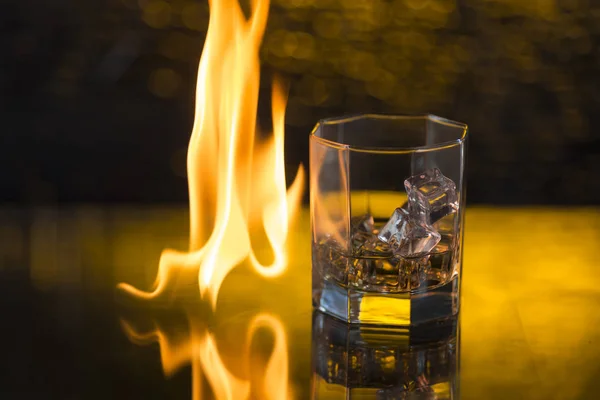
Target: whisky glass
387 216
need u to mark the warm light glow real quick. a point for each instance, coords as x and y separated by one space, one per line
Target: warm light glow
232 176
236 186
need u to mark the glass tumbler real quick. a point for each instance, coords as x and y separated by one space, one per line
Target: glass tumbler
387 200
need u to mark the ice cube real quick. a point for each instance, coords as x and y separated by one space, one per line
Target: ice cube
367 244
362 223
408 236
417 270
358 239
420 239
431 196
363 239
395 227
375 247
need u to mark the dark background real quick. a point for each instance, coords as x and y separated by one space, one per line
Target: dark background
96 97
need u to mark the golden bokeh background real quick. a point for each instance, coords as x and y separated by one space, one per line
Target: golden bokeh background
87 83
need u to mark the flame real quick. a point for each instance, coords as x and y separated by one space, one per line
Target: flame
236 185
231 175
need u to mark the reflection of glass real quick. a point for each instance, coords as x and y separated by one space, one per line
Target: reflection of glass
387 201
352 362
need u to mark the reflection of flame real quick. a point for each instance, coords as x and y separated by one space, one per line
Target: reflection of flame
235 185
199 349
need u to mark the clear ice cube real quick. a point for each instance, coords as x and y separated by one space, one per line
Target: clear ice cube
408 236
363 240
395 227
358 239
375 247
431 196
362 223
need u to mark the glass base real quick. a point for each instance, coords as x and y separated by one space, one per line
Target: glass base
380 308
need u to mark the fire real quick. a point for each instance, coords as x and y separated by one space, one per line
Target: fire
236 185
232 177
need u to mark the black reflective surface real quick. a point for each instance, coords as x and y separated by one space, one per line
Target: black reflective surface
529 326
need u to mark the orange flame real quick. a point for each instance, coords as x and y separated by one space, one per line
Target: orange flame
235 183
229 180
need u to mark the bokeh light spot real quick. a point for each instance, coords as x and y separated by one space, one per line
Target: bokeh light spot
383 86
178 46
164 82
306 46
289 44
360 65
157 14
313 91
194 16
328 25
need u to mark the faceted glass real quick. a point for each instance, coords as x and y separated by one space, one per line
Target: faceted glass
387 212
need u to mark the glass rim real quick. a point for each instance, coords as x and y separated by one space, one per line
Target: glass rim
391 150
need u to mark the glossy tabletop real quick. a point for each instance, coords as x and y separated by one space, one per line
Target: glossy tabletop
529 326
